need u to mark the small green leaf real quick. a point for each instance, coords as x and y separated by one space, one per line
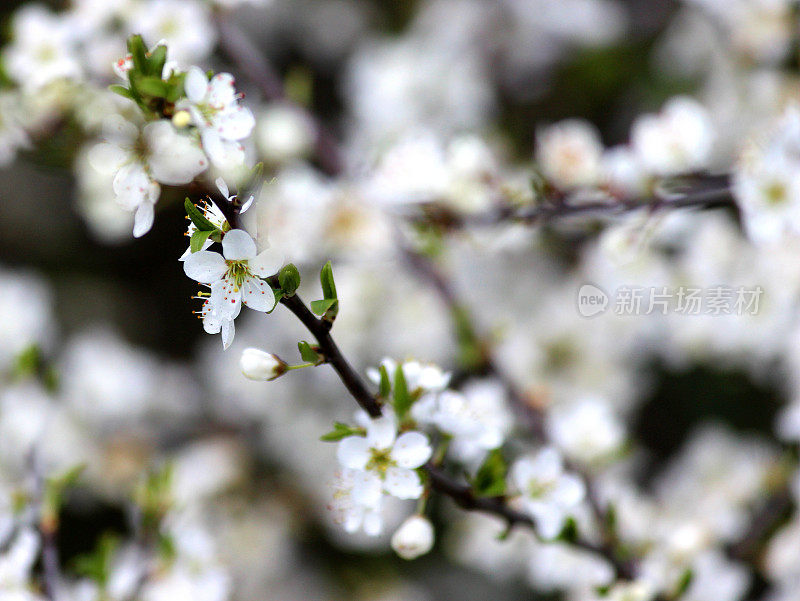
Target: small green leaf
490 481
402 398
197 217
683 584
341 431
569 533
289 279
176 90
28 362
326 278
138 52
123 91
386 384
157 60
151 85
321 307
198 239
97 565
308 354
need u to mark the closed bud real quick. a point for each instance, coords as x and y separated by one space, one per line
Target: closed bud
260 365
413 538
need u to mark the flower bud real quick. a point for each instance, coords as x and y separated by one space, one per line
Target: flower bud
413 538
181 119
260 365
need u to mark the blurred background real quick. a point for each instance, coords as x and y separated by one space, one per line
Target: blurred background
134 380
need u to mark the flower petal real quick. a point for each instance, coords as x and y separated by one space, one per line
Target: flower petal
411 450
353 452
367 489
403 483
267 263
235 124
143 219
196 85
225 154
569 491
258 295
238 245
222 187
381 432
228 331
174 158
221 91
205 266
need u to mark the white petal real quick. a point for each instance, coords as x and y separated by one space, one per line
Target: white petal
238 245
247 204
222 187
225 154
373 524
196 85
569 491
411 450
143 219
212 323
549 523
175 158
228 331
258 295
131 185
381 432
234 124
353 452
267 263
205 266
367 489
117 129
403 483
108 158
226 299
221 91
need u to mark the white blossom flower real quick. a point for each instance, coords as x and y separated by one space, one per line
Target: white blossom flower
214 322
143 158
16 564
284 133
235 277
586 430
185 25
678 139
222 121
569 153
413 538
385 461
43 49
548 493
355 505
420 377
477 418
260 365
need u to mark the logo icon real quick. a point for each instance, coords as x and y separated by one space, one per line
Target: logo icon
592 300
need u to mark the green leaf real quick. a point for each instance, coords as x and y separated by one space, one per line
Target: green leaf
683 584
54 490
341 431
176 90
151 85
289 279
386 384
308 354
402 398
569 533
326 278
321 307
490 481
139 53
197 217
28 362
157 60
123 91
198 239
97 565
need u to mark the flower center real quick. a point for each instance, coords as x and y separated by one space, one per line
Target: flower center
238 271
380 461
539 488
775 194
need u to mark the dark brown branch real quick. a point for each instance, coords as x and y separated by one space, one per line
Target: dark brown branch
330 350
